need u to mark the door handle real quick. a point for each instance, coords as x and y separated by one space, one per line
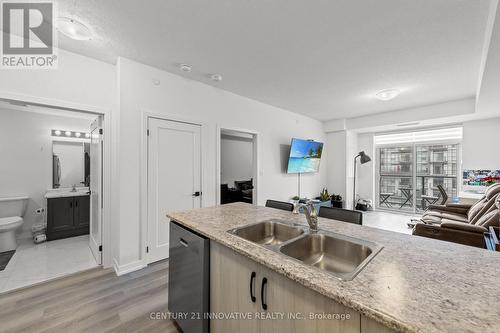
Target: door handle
262 298
196 194
183 242
71 204
252 278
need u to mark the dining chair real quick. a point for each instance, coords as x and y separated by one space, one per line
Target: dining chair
279 205
340 214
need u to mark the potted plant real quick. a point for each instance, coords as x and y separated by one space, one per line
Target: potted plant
337 201
324 197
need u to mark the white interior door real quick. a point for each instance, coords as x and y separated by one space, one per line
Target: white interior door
174 178
96 143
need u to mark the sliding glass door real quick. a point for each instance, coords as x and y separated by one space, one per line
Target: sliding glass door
409 175
437 165
396 177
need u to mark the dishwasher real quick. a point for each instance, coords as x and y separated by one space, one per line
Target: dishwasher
189 279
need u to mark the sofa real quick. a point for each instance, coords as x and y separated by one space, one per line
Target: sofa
464 224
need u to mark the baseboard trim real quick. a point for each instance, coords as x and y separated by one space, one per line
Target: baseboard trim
127 268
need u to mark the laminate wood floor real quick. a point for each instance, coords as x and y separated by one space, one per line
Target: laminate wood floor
92 301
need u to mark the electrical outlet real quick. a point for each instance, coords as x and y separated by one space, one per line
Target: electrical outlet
39 211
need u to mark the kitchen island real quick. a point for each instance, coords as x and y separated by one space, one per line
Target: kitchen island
413 284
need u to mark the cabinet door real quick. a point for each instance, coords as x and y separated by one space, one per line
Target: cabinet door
81 212
60 214
298 303
230 278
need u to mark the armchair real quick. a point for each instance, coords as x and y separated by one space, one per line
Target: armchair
466 233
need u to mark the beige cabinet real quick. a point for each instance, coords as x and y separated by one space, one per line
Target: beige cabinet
230 297
291 307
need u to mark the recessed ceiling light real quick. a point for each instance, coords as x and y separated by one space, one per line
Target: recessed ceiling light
387 94
185 68
216 77
73 29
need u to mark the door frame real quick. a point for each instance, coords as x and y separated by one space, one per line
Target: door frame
255 161
107 245
143 170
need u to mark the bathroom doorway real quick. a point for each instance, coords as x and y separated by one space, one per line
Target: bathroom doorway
237 166
53 183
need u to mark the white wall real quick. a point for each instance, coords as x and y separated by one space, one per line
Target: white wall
191 100
480 142
78 80
335 146
236 160
366 172
26 150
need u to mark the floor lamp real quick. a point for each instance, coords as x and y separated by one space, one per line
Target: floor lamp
363 158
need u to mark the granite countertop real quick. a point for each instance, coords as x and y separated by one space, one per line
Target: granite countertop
414 284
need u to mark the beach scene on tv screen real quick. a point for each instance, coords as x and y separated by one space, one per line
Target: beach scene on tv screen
304 156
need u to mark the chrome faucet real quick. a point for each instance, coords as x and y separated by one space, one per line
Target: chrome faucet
74 188
311 215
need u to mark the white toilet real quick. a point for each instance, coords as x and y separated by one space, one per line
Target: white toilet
11 217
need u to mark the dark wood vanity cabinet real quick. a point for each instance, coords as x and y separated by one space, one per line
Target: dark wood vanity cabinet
67 217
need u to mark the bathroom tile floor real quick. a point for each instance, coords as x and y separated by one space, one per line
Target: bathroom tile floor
35 263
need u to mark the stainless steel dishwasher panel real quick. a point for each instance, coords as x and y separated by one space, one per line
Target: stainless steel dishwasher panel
189 274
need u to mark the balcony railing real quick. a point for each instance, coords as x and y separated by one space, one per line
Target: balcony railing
397 192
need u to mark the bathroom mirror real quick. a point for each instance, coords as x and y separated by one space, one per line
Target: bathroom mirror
70 164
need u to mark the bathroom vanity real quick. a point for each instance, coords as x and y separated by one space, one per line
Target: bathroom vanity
68 214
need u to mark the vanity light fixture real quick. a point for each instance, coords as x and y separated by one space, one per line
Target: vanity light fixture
387 94
216 77
74 29
70 134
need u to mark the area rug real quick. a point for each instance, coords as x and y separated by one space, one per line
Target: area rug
5 258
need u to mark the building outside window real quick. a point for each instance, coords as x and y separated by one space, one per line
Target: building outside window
412 165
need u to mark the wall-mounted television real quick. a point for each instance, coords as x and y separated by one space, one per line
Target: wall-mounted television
305 156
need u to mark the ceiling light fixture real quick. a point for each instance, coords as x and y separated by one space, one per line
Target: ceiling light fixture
216 77
185 68
73 29
387 94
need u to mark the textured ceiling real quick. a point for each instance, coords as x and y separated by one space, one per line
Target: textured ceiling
324 59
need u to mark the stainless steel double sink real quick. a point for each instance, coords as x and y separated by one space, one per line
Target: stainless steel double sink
342 256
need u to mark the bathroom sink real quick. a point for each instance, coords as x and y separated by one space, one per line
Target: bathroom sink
342 256
270 232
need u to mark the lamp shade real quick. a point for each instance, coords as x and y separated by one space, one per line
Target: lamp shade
363 158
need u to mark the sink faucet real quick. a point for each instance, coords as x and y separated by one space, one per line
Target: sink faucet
74 188
311 215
